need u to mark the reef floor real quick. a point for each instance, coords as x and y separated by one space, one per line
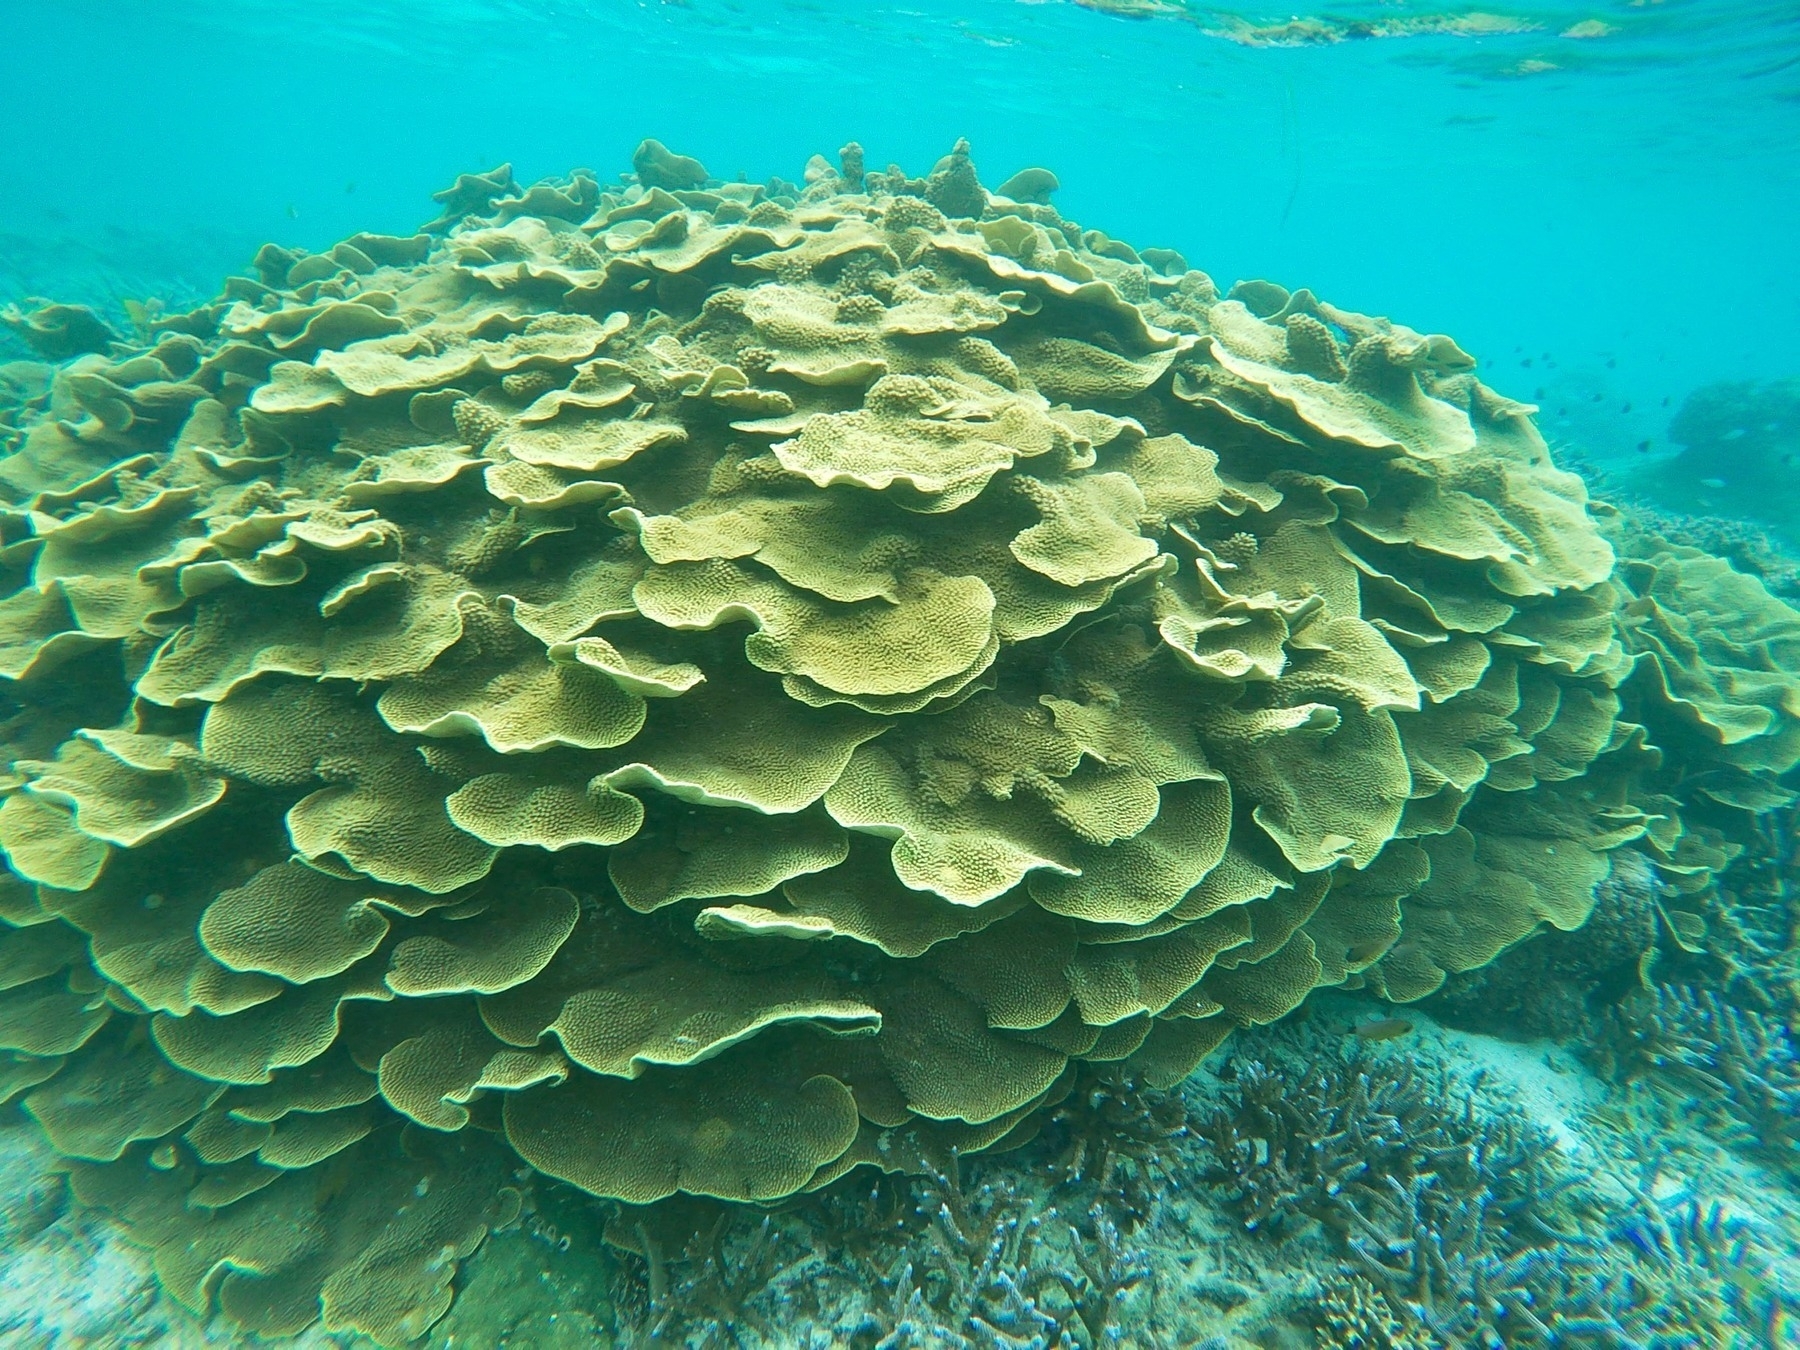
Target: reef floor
1201 1225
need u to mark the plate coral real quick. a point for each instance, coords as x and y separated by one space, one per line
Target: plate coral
702 687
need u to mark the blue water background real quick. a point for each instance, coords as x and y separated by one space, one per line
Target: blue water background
1623 212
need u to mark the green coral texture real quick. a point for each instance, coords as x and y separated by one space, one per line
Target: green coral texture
701 687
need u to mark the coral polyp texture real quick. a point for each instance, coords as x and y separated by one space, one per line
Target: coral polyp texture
703 687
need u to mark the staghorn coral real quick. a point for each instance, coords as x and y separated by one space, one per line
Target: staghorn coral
1741 1066
1354 1315
970 1258
1337 1143
1463 1225
1756 934
1115 1133
696 1273
1702 1270
1455 1275
979 1253
704 688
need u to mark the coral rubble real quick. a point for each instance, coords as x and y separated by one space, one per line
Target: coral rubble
702 688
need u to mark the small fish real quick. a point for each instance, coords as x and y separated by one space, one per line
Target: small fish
1383 1028
1643 447
293 212
1665 400
1626 408
1712 482
1526 362
1612 363
1788 458
1599 397
1539 395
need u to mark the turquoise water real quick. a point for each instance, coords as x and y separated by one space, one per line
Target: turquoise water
1628 212
739 754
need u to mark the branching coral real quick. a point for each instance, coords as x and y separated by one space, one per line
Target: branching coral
1117 1137
1465 1226
704 688
976 1281
1702 1269
1457 1274
1756 934
966 1259
1341 1143
1742 1065
698 1274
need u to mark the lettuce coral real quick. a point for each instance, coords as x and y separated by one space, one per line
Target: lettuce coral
715 686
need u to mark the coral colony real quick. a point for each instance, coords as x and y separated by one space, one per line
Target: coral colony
736 691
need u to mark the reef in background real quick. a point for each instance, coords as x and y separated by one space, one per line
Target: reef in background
1323 30
1550 41
710 688
1740 456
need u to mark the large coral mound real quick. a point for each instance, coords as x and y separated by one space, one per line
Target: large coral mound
720 685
